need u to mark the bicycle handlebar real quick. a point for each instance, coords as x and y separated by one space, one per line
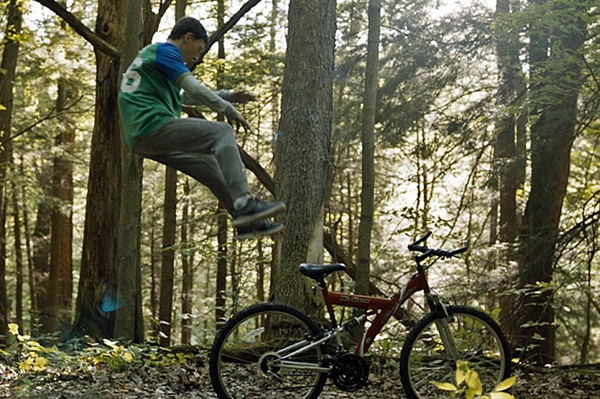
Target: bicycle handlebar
429 252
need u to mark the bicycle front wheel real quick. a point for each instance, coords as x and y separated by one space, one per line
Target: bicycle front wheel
259 354
435 344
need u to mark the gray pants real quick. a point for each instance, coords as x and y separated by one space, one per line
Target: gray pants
202 149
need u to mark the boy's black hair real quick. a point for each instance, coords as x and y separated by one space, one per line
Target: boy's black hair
188 24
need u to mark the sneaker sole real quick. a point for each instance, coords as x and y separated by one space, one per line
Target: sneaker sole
259 233
249 219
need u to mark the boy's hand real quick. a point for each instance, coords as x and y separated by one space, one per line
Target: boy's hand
239 121
241 97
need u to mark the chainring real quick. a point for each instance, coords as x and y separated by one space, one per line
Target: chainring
350 372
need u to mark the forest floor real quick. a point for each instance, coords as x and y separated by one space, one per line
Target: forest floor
188 378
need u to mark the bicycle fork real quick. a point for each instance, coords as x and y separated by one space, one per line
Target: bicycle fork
443 324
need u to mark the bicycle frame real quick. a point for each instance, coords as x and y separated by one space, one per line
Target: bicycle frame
383 308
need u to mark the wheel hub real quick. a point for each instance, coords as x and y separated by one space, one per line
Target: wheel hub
268 364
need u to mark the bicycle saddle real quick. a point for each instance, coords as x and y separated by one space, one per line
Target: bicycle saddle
319 272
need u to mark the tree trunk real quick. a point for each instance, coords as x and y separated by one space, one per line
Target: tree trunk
221 276
8 66
367 194
167 271
508 154
60 281
556 79
33 310
41 253
223 258
187 259
368 151
302 148
129 322
97 283
18 256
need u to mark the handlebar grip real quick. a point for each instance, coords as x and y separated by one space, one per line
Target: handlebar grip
460 250
415 245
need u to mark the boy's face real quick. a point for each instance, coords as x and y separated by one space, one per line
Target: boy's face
190 48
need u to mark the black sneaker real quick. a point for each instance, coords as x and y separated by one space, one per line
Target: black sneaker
259 229
255 210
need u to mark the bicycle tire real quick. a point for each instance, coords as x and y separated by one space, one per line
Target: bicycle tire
478 340
239 359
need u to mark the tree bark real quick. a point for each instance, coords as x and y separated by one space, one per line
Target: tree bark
187 259
19 264
8 66
556 80
302 148
368 151
129 322
508 153
167 271
97 283
41 253
60 281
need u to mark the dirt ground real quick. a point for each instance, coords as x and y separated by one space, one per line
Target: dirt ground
190 380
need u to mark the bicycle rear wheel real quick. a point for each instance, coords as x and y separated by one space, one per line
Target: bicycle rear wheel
478 341
246 357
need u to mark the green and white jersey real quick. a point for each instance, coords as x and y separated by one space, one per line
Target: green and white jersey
150 95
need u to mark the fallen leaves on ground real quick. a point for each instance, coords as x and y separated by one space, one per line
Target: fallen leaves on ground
189 379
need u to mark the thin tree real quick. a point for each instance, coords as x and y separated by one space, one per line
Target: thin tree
60 280
187 278
222 247
18 255
8 66
368 151
167 270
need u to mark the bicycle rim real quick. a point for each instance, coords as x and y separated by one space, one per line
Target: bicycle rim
478 341
244 361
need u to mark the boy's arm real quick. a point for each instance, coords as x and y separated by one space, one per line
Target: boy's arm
200 94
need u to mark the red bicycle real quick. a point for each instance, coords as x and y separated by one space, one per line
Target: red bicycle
271 350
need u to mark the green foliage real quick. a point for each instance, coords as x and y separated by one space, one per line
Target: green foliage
32 357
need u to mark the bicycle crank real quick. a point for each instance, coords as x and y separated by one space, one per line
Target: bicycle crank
350 372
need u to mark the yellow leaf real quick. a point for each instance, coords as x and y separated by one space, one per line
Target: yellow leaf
461 375
112 344
35 346
473 381
25 365
507 383
501 395
40 363
12 327
444 386
128 357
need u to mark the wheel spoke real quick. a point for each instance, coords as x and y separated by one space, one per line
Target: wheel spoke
475 338
247 355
